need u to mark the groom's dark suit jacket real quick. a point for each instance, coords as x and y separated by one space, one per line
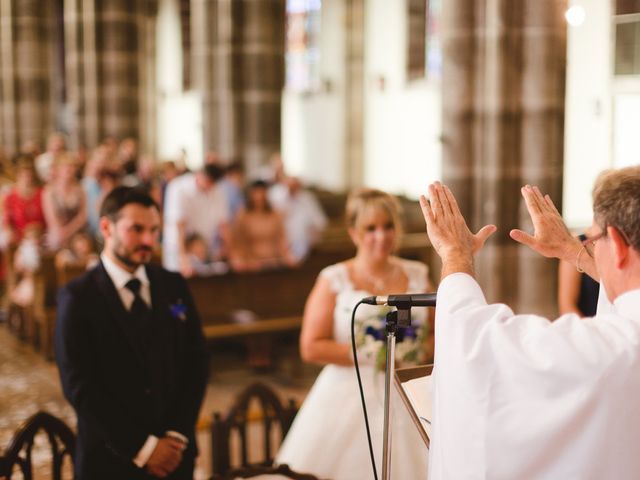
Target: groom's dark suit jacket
128 381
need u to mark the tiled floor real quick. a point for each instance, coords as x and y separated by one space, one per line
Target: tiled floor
28 384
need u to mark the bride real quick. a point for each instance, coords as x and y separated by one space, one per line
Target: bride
328 436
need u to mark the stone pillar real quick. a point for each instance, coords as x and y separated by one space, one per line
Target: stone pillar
110 58
354 94
147 89
26 64
238 61
543 100
204 32
503 110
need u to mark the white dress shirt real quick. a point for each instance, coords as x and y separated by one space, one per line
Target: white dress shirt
202 212
119 276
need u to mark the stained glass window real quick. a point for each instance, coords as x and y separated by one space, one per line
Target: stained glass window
303 45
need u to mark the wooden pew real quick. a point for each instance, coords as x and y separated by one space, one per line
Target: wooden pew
276 297
274 301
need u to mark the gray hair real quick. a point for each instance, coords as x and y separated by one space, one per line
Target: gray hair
616 202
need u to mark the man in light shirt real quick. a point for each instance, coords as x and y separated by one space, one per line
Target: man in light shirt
524 397
303 216
131 354
194 204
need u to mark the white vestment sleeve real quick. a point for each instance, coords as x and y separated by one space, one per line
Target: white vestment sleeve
519 396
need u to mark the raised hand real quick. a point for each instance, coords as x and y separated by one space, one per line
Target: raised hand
448 231
551 237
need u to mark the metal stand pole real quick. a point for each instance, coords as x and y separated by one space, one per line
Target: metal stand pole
396 318
392 321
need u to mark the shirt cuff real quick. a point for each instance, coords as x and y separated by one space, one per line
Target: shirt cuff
145 452
178 436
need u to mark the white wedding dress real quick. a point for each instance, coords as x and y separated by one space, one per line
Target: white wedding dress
328 437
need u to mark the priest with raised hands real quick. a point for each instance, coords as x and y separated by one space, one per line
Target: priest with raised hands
520 396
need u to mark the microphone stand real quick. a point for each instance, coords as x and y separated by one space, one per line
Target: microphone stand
400 317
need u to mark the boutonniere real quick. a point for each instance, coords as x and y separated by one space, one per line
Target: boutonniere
178 310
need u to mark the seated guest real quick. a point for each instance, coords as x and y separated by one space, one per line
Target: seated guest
304 218
201 263
127 156
168 171
258 239
232 185
98 163
577 291
64 202
25 264
194 204
81 253
147 178
23 204
44 163
108 179
29 147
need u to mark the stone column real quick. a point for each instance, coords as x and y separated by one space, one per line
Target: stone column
238 61
147 87
354 94
204 32
26 65
543 99
503 110
110 62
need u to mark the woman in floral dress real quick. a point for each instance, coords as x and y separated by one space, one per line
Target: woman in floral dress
328 436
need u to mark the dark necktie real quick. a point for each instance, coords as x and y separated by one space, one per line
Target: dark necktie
139 309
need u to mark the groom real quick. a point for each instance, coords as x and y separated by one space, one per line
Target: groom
131 354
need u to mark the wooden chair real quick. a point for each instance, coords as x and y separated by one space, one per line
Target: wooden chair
273 415
249 472
19 452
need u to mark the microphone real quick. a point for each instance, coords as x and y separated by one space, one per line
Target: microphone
403 301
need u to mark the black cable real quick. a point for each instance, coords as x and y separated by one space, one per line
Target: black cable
364 404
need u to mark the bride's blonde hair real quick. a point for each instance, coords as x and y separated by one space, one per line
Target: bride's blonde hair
364 200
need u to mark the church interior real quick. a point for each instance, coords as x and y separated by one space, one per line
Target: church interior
319 96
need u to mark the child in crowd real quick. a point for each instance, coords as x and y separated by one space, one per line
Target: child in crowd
26 262
81 253
199 257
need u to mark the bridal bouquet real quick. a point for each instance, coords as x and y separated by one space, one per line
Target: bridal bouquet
371 340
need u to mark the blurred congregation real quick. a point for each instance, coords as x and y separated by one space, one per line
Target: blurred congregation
280 139
214 220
